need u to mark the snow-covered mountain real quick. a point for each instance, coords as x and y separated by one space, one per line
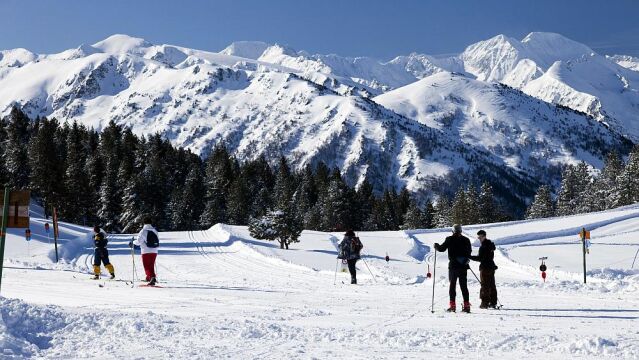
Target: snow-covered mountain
428 134
629 62
524 133
558 70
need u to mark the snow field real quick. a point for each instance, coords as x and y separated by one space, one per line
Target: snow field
227 295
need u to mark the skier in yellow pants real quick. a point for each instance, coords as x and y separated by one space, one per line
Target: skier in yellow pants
101 254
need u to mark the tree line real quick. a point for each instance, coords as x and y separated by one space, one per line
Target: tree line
114 178
583 190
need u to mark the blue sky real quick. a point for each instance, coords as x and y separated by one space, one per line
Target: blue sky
381 29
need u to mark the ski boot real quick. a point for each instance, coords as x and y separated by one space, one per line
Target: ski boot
112 276
466 307
152 282
483 305
354 281
95 277
452 307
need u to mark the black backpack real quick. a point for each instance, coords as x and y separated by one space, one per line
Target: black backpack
152 240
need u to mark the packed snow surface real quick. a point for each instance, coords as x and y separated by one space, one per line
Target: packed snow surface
227 295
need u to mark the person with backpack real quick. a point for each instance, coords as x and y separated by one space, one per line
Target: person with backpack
459 250
487 267
349 250
100 253
149 243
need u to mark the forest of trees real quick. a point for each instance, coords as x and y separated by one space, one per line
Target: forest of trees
582 191
114 178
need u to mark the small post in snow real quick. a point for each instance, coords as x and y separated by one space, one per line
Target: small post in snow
3 229
585 235
55 234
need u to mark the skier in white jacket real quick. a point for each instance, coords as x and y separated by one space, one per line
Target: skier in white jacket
149 243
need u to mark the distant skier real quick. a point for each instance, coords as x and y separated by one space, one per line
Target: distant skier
459 250
149 242
100 253
349 250
487 267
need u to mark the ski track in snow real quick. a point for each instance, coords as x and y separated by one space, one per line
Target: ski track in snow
227 295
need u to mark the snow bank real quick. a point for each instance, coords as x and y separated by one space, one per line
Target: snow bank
25 329
71 249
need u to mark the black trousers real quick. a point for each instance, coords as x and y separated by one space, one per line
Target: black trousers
488 292
453 275
352 269
101 255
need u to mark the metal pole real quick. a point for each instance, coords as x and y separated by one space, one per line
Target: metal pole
633 261
336 266
583 249
369 270
133 261
55 234
3 229
432 302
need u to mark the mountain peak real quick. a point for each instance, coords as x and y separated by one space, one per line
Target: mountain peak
246 49
121 43
555 45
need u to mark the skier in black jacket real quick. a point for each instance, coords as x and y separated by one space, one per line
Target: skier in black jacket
100 253
459 250
487 267
349 250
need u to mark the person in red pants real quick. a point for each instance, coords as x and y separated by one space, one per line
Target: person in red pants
149 242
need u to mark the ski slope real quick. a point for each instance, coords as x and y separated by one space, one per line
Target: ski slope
227 295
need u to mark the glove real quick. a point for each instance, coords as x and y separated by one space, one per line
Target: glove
437 246
131 244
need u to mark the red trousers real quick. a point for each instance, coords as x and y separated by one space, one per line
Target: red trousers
148 260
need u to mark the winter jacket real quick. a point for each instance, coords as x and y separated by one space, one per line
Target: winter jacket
350 248
141 240
486 255
459 250
100 240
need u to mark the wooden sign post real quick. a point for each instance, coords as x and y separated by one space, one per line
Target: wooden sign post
15 214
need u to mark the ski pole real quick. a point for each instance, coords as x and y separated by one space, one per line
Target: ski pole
432 303
336 265
633 261
133 260
369 270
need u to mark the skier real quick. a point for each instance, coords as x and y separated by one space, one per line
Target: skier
349 250
148 241
100 253
487 267
459 250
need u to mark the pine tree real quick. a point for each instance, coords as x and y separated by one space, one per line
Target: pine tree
574 184
629 180
459 208
443 212
486 206
403 202
542 206
187 202
472 207
217 180
415 217
276 225
4 173
111 195
76 198
46 165
16 158
239 201
364 203
429 214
